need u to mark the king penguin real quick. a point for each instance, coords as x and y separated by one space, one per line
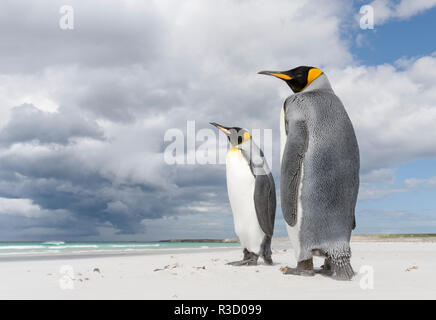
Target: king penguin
252 195
319 173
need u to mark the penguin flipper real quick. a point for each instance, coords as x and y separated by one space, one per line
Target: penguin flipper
293 156
265 202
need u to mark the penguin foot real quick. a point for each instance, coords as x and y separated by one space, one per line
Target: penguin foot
304 268
297 272
324 272
250 259
243 263
325 269
268 261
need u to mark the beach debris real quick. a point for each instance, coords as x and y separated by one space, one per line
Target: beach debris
411 268
284 269
80 279
169 266
200 268
96 270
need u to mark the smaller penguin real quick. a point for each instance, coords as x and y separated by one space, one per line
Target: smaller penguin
252 195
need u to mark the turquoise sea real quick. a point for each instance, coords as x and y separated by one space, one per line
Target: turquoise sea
60 247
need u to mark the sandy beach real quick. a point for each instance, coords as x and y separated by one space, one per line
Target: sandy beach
401 270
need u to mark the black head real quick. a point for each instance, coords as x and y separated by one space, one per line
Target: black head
297 78
235 135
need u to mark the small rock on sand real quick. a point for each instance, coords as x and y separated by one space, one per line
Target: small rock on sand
168 266
411 268
200 268
283 269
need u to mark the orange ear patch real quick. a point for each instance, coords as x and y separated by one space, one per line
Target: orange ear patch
313 74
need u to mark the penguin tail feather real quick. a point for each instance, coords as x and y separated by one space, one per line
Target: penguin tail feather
344 272
341 266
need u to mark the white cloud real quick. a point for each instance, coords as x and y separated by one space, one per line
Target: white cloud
371 192
26 208
382 175
393 110
385 10
413 183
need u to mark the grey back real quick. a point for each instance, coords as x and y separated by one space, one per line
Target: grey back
264 190
331 167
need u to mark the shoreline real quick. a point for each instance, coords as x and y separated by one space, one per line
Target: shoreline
280 242
92 255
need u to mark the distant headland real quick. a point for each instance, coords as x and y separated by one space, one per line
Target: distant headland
403 237
230 240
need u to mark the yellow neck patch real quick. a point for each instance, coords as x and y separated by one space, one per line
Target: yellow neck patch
233 149
247 136
312 75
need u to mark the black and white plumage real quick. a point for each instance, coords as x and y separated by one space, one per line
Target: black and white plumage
252 195
319 170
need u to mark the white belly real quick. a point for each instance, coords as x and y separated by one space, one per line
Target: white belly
240 187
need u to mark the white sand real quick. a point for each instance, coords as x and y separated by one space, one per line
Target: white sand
133 277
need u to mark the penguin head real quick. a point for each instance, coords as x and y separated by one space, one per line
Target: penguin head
298 78
235 135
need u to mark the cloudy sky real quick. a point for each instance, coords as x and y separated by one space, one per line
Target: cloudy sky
84 112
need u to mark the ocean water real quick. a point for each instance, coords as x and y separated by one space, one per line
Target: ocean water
60 247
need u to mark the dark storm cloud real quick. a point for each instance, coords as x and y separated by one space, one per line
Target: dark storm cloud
28 123
59 181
